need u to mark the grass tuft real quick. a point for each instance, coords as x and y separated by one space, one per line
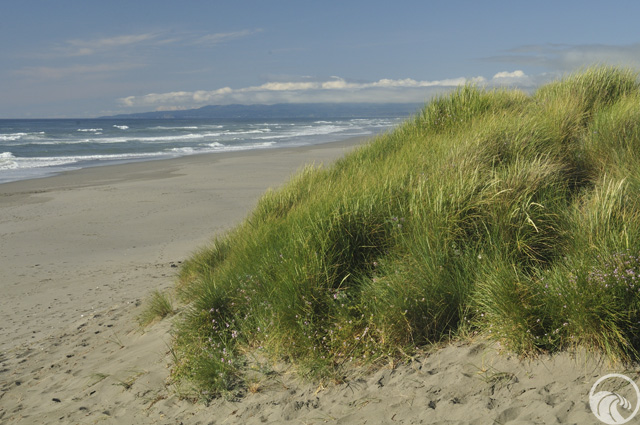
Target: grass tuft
158 306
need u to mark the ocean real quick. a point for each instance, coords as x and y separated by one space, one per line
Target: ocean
39 148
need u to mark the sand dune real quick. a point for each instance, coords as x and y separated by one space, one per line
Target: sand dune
79 253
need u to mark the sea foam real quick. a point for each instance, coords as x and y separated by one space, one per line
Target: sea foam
34 148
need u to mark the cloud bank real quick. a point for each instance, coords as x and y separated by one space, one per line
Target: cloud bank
334 89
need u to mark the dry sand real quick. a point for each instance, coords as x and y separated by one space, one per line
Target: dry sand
79 252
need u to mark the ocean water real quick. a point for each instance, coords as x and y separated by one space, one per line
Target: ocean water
38 148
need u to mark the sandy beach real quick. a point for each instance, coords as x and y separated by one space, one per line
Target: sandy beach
81 251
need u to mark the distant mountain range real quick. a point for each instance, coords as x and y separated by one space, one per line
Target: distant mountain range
285 110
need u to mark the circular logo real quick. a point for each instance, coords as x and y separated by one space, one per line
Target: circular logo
611 407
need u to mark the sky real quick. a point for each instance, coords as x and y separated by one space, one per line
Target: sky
89 58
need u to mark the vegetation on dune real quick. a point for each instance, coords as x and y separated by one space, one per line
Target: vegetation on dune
498 213
158 306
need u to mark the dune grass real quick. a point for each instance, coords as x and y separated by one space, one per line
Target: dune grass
489 212
158 306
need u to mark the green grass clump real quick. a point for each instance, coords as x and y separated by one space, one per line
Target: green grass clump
492 212
158 306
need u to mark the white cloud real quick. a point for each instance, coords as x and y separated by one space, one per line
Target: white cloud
334 89
282 87
82 47
514 78
337 83
408 82
121 40
506 74
222 37
79 47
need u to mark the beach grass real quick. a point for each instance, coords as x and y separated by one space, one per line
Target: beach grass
158 306
496 213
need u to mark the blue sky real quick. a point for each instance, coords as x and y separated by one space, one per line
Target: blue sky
63 58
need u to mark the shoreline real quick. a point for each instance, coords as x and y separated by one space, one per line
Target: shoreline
82 251
85 235
132 167
46 149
